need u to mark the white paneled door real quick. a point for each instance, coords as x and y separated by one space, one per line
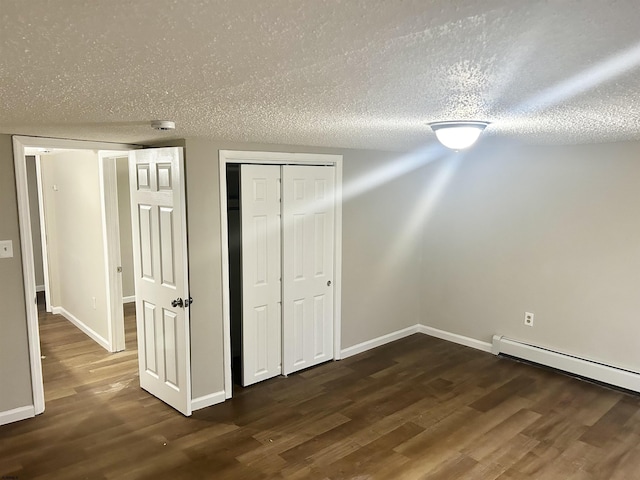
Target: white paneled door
161 274
308 204
261 272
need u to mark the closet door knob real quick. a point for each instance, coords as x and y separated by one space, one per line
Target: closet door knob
329 283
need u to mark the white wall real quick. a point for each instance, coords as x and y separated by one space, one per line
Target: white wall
34 209
550 230
74 233
126 239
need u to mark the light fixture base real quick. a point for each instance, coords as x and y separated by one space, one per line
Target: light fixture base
458 134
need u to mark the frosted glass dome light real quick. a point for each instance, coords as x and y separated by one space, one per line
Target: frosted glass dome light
458 135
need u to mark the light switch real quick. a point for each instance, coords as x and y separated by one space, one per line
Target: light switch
6 249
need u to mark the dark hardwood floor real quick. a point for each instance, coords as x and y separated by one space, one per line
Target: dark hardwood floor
416 408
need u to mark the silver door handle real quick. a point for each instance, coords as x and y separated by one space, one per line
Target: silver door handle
177 303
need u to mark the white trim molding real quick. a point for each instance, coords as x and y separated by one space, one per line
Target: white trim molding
568 363
40 288
129 299
208 400
95 336
43 236
418 328
379 341
20 145
111 241
455 338
28 271
17 414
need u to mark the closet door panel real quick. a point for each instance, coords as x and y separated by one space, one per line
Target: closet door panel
261 272
308 206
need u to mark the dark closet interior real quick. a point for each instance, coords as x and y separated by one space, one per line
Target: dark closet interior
235 269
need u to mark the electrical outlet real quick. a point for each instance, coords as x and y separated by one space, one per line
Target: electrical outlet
528 319
6 249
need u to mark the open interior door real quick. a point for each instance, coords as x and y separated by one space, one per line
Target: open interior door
261 272
308 207
161 274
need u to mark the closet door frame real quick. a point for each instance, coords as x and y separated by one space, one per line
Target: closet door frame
276 158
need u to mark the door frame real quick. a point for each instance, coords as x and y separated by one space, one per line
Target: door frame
43 236
276 158
111 237
20 143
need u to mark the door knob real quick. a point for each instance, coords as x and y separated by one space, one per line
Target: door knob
329 283
177 303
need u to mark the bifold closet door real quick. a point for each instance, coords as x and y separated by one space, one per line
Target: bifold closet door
261 272
308 204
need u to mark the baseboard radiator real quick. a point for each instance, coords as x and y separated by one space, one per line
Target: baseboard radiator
575 365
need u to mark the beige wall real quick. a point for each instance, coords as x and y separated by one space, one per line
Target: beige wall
74 233
550 230
34 208
380 293
124 215
380 246
15 375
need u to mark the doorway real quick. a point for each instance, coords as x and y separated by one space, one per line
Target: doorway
22 145
82 215
288 169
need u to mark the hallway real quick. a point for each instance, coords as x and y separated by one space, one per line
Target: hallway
75 366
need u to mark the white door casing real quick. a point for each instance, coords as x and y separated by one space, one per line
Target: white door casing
261 272
227 157
308 206
43 237
111 238
20 146
161 274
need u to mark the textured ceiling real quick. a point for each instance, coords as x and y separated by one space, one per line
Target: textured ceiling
340 73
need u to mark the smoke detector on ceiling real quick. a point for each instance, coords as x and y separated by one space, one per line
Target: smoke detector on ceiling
163 125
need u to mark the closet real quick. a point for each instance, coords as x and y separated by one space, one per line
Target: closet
281 267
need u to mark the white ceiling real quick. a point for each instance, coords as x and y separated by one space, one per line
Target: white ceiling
340 73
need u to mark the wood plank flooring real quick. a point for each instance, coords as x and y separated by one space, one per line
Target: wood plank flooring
417 408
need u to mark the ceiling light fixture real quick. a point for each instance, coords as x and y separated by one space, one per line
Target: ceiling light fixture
458 135
163 125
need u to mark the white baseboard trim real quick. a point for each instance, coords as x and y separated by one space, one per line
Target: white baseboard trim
405 332
103 342
578 366
455 338
130 299
17 414
377 342
207 400
39 288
